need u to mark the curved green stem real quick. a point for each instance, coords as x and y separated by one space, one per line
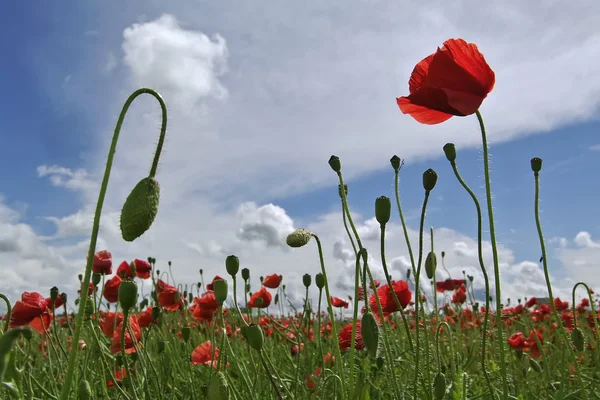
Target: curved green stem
591 299
8 311
437 345
486 279
96 226
488 193
404 228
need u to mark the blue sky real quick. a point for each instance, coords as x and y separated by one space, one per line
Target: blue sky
257 105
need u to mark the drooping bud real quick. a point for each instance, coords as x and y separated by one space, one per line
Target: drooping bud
578 339
536 164
450 151
429 179
254 335
245 274
127 294
335 163
232 265
370 333
320 280
383 209
443 254
276 298
96 278
84 391
535 365
219 388
298 238
80 277
144 303
306 280
190 297
185 333
439 386
140 209
63 297
430 264
221 290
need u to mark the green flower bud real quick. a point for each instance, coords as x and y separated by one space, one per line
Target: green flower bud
127 294
80 277
84 391
96 278
320 280
578 339
535 365
232 265
335 163
219 388
306 279
190 297
430 264
429 180
254 335
369 329
54 295
536 165
450 151
439 386
245 274
383 209
221 290
443 254
396 162
161 345
276 299
140 209
298 238
185 333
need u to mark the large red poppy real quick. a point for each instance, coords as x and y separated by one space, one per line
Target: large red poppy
452 81
31 306
102 263
272 281
264 296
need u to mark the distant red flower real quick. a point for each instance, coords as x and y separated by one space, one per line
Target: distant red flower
142 268
31 306
210 285
560 305
203 353
452 81
124 270
130 342
449 285
205 306
261 294
272 281
111 289
386 297
339 303
102 263
168 296
108 323
345 337
460 295
531 302
145 318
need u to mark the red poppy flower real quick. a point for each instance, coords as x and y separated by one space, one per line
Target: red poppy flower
449 285
102 263
460 295
145 318
130 342
339 303
202 355
57 303
31 306
452 81
142 268
108 323
272 281
168 296
262 294
345 337
205 306
124 270
111 289
386 297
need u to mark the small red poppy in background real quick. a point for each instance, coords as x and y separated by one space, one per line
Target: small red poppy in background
111 289
210 285
452 81
345 337
262 294
130 342
460 295
339 303
168 296
205 306
142 268
102 263
272 281
202 354
32 305
449 285
124 270
386 297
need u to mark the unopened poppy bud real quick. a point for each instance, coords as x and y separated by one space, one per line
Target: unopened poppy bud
320 280
535 365
276 299
190 297
430 264
450 151
578 339
370 332
169 263
84 391
383 209
306 280
185 333
345 191
144 303
96 278
245 274
127 295
262 278
63 297
254 335
335 163
429 180
140 209
536 164
221 290
89 308
80 277
54 294
298 238
232 265
439 386
443 254
408 271
396 162
219 388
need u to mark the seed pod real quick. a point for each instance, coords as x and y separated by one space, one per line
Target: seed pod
245 274
127 294
578 339
298 238
306 280
429 179
335 163
370 332
96 278
439 386
219 388
320 280
536 164
450 151
221 290
254 335
84 391
140 209
430 264
383 209
232 265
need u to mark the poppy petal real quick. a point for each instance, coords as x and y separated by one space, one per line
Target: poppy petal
421 113
419 73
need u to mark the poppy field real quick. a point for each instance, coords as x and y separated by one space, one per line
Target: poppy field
239 336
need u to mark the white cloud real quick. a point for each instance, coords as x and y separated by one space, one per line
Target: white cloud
584 239
580 258
65 177
268 224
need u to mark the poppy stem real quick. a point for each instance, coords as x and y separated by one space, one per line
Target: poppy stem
66 389
488 193
8 312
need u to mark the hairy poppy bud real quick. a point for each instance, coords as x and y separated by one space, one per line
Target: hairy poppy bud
219 388
96 278
254 335
578 339
536 164
140 209
345 191
439 386
396 162
383 209
320 280
298 238
221 290
430 264
232 265
306 279
84 391
54 294
335 163
369 329
185 333
127 294
535 365
245 274
429 180
450 151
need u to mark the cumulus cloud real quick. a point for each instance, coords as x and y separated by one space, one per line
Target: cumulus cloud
269 224
75 180
580 257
